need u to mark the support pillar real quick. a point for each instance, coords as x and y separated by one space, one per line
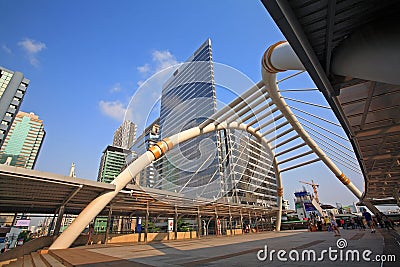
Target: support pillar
108 224
51 225
249 222
14 219
241 220
230 220
198 223
216 222
59 220
146 222
176 223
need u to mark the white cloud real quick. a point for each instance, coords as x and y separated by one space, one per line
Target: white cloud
116 88
6 49
113 109
32 48
145 69
163 59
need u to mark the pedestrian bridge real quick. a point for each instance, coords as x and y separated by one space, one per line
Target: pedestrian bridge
263 113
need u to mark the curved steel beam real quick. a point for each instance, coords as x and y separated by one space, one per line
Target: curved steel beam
280 57
68 236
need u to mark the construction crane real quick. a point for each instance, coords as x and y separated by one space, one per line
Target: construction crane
314 186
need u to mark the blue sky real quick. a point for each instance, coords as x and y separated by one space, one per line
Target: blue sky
85 59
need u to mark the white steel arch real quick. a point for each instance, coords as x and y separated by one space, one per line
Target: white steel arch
260 111
155 152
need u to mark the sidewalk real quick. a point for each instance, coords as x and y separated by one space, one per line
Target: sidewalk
239 250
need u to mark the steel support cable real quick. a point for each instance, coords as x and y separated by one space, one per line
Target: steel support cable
298 90
262 94
263 116
296 157
285 141
344 159
248 108
322 128
344 164
330 152
290 149
336 150
306 103
246 94
300 165
327 137
270 122
254 114
315 116
226 156
290 76
343 153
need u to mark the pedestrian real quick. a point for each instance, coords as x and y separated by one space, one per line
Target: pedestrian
90 234
388 222
368 219
327 223
334 225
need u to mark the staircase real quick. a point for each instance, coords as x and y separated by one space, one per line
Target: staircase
41 258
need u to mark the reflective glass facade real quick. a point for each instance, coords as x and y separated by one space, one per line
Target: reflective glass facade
188 98
23 142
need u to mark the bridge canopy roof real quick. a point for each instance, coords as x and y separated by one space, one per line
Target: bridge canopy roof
367 109
36 192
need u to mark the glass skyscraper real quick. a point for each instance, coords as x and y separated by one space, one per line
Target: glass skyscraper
23 142
13 86
188 98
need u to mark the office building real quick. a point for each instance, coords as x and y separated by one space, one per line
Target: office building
112 163
188 98
125 135
23 142
151 135
13 86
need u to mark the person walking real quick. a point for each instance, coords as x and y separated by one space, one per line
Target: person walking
370 222
334 225
90 234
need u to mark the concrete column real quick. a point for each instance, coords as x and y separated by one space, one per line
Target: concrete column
176 223
250 222
108 225
230 220
51 225
216 222
59 220
146 222
198 223
241 220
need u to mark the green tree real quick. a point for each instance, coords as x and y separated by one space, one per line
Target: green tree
183 226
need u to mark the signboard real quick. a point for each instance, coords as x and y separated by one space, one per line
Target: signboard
309 206
23 223
170 224
138 225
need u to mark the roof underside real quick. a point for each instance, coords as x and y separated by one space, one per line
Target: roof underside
29 191
368 110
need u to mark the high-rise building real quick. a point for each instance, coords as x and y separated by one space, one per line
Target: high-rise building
188 98
23 142
151 135
229 164
125 135
112 163
13 86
